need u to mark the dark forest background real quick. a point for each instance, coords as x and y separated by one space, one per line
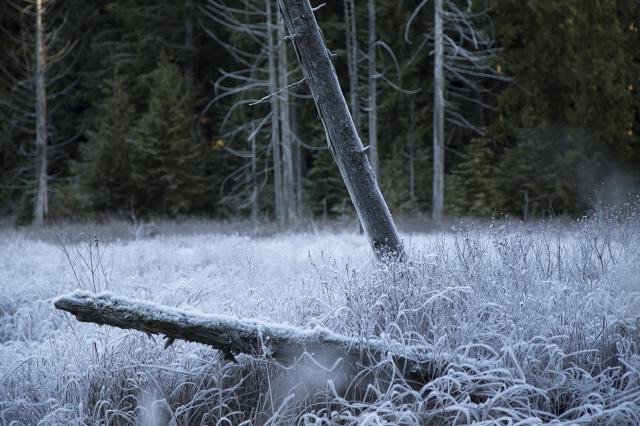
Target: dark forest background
137 124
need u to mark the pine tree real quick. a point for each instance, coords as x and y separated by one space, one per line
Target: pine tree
473 189
167 169
546 173
105 170
571 115
9 158
325 192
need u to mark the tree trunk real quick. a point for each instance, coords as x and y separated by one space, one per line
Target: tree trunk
298 162
232 336
352 59
372 88
285 126
343 140
41 201
254 184
412 153
437 208
275 119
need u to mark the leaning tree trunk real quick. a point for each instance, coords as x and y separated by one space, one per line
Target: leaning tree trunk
41 202
437 208
372 88
275 119
352 59
342 137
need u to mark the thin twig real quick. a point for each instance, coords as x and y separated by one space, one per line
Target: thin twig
269 96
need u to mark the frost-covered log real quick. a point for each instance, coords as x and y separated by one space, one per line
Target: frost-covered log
234 336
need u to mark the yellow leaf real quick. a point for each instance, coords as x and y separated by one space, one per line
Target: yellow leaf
217 145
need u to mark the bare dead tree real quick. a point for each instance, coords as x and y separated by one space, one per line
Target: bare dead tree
411 155
258 48
372 87
288 188
34 76
437 205
248 47
276 141
41 204
375 71
254 184
463 55
342 137
298 160
352 59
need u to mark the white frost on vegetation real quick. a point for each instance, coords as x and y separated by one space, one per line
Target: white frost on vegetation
555 309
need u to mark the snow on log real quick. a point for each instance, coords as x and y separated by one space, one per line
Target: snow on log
256 338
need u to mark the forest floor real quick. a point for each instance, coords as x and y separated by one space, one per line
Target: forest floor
550 310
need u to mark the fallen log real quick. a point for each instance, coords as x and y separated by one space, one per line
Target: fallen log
235 336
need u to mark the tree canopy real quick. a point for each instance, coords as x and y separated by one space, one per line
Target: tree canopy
141 128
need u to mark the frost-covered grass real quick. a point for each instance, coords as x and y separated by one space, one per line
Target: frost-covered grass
551 312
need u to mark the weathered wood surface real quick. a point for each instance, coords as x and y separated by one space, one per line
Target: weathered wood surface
342 137
256 338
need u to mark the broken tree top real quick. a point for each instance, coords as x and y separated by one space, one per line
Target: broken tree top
258 338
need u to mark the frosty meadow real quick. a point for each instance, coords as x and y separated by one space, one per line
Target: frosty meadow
537 323
260 312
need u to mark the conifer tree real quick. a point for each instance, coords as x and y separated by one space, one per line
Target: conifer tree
325 190
8 159
167 169
571 115
473 184
105 169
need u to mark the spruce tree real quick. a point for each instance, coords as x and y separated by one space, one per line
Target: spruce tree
105 170
473 188
9 158
571 115
167 169
325 191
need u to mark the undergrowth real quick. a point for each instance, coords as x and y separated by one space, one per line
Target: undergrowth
539 323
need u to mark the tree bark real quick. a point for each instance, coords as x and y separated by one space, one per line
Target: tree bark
298 162
342 137
275 119
254 183
352 59
41 199
372 88
232 336
437 208
412 153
